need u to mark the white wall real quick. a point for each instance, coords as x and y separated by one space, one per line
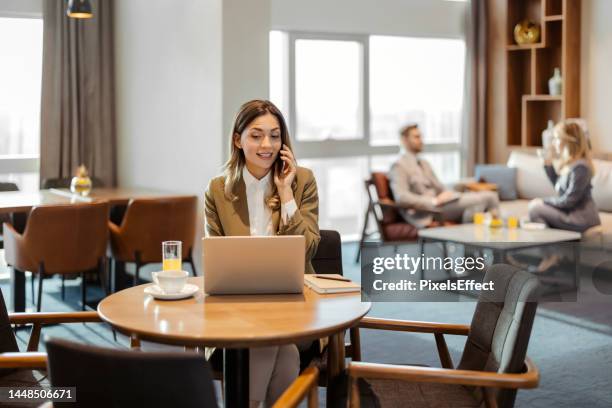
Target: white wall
596 71
389 17
168 66
246 27
21 8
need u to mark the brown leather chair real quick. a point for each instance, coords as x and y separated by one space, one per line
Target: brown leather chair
493 365
149 222
60 239
392 227
126 378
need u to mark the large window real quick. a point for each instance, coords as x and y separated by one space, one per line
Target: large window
346 97
20 85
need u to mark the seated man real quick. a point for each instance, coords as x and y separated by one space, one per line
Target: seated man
414 184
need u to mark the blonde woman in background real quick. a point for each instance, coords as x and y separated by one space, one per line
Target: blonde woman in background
572 208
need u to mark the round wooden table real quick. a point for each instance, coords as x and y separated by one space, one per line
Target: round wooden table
235 323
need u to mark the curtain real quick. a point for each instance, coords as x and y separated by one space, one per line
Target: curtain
475 98
78 99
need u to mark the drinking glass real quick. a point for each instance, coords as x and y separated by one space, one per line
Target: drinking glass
479 218
513 222
171 252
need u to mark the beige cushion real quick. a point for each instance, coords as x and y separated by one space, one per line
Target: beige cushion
531 180
606 223
602 185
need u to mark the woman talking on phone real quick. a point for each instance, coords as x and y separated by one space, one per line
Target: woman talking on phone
263 192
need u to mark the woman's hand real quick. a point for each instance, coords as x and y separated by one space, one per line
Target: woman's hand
285 176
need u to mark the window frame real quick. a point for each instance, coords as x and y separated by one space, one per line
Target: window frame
353 147
21 163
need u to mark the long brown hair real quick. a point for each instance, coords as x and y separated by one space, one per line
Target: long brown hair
234 166
575 139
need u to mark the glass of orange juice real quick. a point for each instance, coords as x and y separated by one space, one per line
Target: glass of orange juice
479 218
172 255
513 222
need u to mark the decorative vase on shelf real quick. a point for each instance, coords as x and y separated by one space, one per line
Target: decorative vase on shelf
526 32
555 84
81 183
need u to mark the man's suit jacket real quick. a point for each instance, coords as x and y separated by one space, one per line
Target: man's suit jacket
414 184
225 218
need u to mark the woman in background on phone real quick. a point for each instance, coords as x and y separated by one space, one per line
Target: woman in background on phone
573 207
263 192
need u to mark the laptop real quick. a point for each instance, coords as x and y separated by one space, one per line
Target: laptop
249 265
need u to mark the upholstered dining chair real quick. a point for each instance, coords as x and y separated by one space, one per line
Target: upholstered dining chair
60 239
8 187
22 369
147 223
493 365
391 226
107 377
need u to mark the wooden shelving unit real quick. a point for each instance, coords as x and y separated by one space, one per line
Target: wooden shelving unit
531 66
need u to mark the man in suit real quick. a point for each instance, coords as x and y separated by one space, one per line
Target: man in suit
415 185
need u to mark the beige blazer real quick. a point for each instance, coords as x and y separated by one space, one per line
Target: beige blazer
414 183
226 218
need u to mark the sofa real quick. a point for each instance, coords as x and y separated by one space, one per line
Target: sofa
532 182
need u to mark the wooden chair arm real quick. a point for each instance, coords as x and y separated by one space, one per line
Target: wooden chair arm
413 326
39 319
54 317
23 360
305 385
528 379
385 202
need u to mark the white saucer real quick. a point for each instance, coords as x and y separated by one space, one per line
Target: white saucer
155 291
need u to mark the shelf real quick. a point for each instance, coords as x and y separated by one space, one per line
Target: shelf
543 98
554 18
554 8
537 113
516 47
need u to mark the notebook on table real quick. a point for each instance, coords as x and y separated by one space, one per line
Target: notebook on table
325 286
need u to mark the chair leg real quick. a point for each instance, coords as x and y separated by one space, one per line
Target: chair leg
63 287
136 275
102 275
421 243
83 290
190 260
32 277
363 233
40 288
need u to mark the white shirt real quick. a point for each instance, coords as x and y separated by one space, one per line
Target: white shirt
260 215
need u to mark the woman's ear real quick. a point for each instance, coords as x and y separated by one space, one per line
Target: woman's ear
237 140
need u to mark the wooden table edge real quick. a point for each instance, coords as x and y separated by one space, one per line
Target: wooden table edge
234 343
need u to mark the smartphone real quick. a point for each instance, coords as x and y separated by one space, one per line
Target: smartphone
279 165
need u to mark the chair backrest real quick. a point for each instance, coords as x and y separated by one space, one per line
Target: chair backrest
379 184
149 222
125 378
328 258
8 343
6 186
66 238
501 326
65 183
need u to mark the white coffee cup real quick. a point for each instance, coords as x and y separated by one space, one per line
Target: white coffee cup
170 281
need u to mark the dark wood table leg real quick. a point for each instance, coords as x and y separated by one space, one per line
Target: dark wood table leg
336 376
236 377
18 290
